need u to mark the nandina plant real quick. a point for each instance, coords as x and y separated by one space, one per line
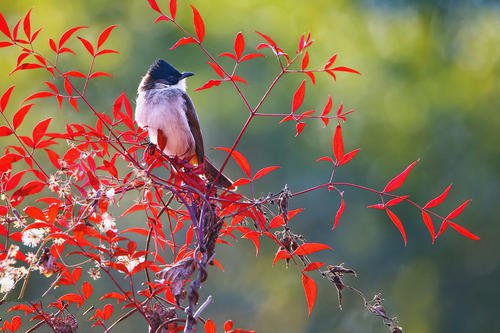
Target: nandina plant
58 183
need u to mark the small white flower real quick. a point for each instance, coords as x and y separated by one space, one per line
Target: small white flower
94 273
58 241
129 261
7 283
33 237
107 223
110 193
13 249
31 258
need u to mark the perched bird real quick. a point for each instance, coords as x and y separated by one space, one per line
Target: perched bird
164 109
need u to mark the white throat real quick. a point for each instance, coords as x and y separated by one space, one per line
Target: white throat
180 85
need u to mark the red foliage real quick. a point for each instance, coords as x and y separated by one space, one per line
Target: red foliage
95 166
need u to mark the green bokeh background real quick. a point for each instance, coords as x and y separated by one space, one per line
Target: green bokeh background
430 89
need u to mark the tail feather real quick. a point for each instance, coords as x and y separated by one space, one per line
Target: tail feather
213 173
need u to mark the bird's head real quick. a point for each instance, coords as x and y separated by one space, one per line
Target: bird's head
161 74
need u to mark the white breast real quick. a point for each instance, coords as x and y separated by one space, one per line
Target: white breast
163 109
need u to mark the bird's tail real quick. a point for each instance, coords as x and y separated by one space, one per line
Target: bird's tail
213 173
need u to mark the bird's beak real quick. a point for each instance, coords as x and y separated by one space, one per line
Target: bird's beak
185 75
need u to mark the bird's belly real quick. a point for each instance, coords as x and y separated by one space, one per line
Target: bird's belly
169 119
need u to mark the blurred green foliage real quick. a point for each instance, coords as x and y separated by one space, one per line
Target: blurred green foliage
430 88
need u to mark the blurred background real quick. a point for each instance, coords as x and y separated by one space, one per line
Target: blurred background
429 89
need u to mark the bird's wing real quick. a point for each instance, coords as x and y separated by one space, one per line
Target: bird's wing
194 125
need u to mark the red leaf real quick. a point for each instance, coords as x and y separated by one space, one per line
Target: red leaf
348 157
72 298
377 206
241 182
173 8
14 180
134 208
209 84
68 34
26 66
305 61
238 79
40 129
229 55
291 214
345 69
75 74
4 27
280 255
35 34
428 223
397 223
310 290
330 61
87 45
340 211
239 158
276 222
264 171
97 74
308 248
457 211
5 98
183 41
228 325
313 266
5 131
12 325
239 45
399 179
299 126
40 94
311 76
154 6
116 295
250 56
326 110
104 35
269 40
106 51
107 311
254 236
395 201
463 231
210 326
199 26
217 69
27 25
325 159
20 114
21 307
439 199
6 44
338 144
442 228
162 18
298 97
86 289
35 213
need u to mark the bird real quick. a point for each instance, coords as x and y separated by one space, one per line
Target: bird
166 111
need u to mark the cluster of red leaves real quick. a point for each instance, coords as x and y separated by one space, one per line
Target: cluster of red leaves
69 201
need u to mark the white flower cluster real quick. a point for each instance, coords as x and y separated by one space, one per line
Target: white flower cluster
129 261
10 275
33 237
